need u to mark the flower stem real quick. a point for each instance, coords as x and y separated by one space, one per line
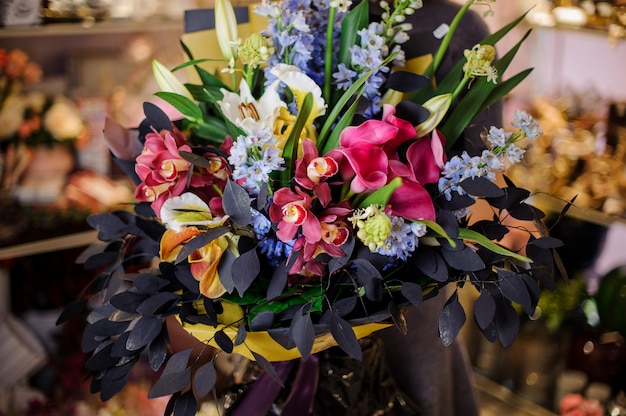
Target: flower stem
328 64
446 40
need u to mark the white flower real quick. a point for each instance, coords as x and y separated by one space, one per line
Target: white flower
167 81
246 112
188 209
300 85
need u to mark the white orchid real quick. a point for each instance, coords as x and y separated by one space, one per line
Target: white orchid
186 210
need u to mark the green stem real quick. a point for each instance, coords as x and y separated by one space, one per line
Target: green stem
329 53
459 88
446 40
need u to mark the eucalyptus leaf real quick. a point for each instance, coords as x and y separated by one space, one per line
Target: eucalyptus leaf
302 333
224 341
484 310
200 241
236 203
247 267
156 117
204 379
185 405
145 330
343 333
157 353
170 383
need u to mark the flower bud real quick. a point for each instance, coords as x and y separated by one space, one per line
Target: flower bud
226 28
167 81
438 107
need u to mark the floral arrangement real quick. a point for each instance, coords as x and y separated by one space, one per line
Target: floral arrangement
309 202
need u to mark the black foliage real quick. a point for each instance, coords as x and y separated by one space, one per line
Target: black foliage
344 335
241 335
224 341
101 359
103 328
247 266
236 202
128 301
484 310
157 353
398 317
370 278
268 368
507 321
431 263
145 330
70 311
302 333
451 319
278 281
405 81
156 117
412 292
176 375
225 270
158 304
462 257
412 112
200 241
185 405
204 379
481 187
490 229
111 386
513 288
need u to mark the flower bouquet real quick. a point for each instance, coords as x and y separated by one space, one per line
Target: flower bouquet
309 201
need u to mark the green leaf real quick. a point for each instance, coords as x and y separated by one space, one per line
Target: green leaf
438 229
382 195
352 93
355 20
290 151
188 108
478 238
503 88
473 101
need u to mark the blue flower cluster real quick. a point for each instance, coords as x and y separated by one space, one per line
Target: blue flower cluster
502 146
254 157
403 240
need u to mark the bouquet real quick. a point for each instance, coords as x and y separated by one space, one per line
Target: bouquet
309 198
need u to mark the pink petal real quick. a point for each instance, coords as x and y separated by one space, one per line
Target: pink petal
413 202
422 160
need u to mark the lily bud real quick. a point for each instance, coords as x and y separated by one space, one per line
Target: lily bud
226 28
167 81
438 107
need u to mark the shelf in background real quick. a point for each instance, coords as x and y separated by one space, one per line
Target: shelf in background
105 27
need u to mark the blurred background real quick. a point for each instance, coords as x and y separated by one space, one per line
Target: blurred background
66 65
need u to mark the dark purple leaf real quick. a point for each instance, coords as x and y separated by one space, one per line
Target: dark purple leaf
103 328
261 199
412 292
337 263
546 242
111 386
484 310
236 203
464 258
145 330
157 304
101 259
490 229
430 262
225 270
533 290
513 288
223 341
177 362
119 346
369 278
156 117
523 212
101 360
157 353
170 383
491 332
204 379
343 333
410 111
194 159
278 281
122 369
268 367
73 309
398 317
200 241
481 187
248 267
345 305
447 220
186 405
302 332
451 320
109 226
128 301
241 335
148 283
507 322
263 321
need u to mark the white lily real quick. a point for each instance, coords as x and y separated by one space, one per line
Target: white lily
186 210
167 80
226 28
438 107
248 113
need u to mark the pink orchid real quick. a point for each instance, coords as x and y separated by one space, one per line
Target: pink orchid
291 210
334 234
312 171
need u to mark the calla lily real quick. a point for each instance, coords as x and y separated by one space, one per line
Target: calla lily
438 107
226 28
188 209
167 81
300 85
250 114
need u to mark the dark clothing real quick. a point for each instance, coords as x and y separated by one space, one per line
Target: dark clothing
438 378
